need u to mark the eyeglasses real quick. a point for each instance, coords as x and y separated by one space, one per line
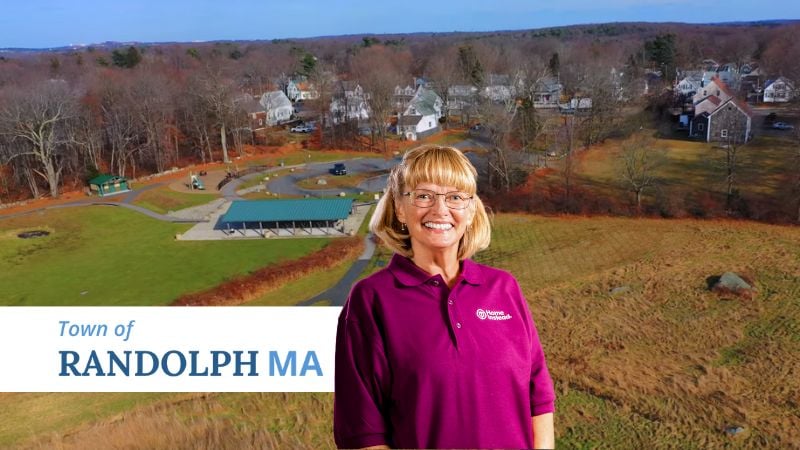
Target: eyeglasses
423 198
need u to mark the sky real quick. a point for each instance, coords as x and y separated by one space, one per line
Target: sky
55 23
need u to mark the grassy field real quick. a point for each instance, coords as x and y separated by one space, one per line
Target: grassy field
689 173
336 182
113 256
163 199
661 363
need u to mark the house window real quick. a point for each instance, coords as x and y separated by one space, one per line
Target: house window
723 133
430 124
701 126
260 122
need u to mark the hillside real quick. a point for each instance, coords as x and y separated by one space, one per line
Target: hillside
660 363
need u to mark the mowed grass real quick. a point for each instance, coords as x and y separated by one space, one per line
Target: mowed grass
163 199
660 363
102 255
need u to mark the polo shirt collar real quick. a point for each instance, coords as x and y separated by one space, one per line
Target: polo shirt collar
407 273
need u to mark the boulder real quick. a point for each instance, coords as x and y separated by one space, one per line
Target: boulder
731 284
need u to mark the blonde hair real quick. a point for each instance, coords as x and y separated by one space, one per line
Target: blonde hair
445 166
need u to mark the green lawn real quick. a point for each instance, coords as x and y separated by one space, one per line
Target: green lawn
113 256
163 199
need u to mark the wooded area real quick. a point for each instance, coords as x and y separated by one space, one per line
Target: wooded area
67 115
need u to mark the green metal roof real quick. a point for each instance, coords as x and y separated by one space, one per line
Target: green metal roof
287 210
103 179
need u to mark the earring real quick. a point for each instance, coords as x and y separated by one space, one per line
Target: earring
402 226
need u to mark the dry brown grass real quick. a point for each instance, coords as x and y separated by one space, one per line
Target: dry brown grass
210 421
663 364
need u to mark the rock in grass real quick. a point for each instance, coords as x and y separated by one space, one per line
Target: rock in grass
734 430
730 283
619 290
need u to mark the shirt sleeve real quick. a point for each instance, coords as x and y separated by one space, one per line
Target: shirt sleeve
543 395
361 374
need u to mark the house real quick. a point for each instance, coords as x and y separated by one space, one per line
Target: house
277 107
690 83
780 90
707 105
402 97
731 79
498 88
547 93
730 122
301 89
256 114
349 103
421 117
307 91
460 98
713 86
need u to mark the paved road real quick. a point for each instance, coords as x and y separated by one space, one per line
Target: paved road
287 184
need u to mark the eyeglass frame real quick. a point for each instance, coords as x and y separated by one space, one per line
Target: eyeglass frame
435 194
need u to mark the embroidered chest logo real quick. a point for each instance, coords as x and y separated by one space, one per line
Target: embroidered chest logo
488 314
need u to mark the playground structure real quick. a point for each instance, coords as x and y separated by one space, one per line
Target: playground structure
195 183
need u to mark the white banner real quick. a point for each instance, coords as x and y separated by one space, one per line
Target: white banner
167 349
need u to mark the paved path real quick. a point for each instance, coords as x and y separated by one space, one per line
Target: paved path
100 202
337 295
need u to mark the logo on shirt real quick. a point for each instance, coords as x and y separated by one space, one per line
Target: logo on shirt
489 314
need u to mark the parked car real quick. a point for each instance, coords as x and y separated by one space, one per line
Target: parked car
338 169
782 126
302 129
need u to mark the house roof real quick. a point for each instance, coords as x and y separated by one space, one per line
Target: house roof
409 120
287 210
711 98
106 178
424 102
249 104
744 107
274 99
784 79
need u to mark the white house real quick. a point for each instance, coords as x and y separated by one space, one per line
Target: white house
498 88
349 103
690 83
780 90
713 86
421 118
301 89
277 106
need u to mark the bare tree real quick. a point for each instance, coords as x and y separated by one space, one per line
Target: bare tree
36 121
444 71
379 84
637 166
218 94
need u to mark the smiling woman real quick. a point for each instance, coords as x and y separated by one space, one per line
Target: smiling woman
435 350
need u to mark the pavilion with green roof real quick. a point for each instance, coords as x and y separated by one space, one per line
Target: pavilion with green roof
287 217
108 184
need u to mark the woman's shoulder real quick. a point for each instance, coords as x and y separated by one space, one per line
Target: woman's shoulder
489 273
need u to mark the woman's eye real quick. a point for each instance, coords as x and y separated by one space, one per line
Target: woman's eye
424 196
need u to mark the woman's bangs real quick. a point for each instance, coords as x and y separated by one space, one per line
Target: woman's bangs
443 168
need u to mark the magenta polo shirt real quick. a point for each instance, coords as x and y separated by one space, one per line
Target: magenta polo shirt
419 365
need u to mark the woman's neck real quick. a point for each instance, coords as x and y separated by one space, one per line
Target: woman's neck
443 263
